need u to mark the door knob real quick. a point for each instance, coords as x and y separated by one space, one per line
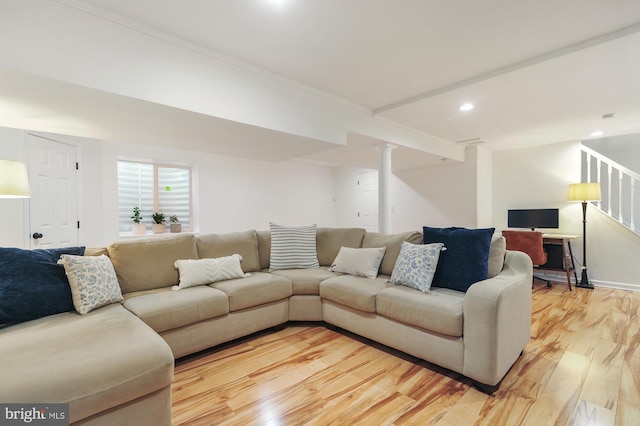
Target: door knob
37 235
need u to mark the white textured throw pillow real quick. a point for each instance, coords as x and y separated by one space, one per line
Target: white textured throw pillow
195 272
293 247
358 261
416 265
92 280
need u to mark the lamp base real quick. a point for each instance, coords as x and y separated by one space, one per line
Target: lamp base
584 281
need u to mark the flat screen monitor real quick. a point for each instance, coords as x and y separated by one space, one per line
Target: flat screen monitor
533 218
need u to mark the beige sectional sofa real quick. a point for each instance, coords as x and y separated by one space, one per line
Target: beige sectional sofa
115 364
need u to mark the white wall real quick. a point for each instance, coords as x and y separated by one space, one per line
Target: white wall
13 228
484 185
443 195
91 209
232 194
624 149
439 196
538 177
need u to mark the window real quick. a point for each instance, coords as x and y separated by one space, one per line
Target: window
153 188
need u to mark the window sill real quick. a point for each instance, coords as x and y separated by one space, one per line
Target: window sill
151 234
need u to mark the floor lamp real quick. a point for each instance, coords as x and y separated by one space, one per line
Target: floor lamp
14 181
584 192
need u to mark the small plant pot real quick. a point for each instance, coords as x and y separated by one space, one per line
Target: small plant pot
158 228
175 228
139 229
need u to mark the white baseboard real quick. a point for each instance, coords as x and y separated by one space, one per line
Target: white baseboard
561 277
620 286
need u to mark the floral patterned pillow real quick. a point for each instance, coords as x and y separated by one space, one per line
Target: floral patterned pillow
92 280
416 265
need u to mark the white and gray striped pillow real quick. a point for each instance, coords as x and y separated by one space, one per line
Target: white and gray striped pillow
293 247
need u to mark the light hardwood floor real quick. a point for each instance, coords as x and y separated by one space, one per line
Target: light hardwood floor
581 367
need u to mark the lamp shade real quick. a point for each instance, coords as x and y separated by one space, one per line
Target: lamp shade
14 181
589 191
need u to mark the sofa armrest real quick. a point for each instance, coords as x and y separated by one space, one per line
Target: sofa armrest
497 320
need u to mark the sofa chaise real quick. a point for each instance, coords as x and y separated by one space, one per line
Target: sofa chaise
114 365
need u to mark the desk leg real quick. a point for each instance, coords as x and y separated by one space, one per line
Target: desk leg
566 264
573 265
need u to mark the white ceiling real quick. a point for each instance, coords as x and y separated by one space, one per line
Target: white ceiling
41 104
547 69
538 72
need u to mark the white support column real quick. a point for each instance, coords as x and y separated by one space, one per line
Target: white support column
384 188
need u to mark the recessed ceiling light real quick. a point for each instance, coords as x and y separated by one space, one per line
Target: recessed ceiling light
466 107
597 133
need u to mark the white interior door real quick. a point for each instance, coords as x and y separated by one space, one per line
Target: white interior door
367 199
53 207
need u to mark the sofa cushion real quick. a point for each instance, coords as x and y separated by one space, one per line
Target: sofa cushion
93 362
32 284
293 247
195 272
358 261
330 240
147 263
497 251
353 291
439 311
392 242
416 265
466 260
96 251
258 289
307 281
220 245
264 248
92 280
163 309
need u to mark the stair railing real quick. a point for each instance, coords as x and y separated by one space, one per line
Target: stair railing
620 188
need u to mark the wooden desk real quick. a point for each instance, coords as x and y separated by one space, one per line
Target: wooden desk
556 246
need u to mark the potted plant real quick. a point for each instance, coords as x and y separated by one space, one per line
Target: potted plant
138 228
158 223
175 226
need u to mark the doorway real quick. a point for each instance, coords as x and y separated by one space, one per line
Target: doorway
53 207
367 200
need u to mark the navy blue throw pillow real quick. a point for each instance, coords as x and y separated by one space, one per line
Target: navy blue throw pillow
32 284
466 259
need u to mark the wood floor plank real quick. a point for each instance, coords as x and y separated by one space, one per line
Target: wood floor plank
590 414
581 367
583 344
375 409
469 406
434 402
628 410
558 398
512 405
602 384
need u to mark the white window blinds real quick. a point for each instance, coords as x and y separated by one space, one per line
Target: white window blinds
153 188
